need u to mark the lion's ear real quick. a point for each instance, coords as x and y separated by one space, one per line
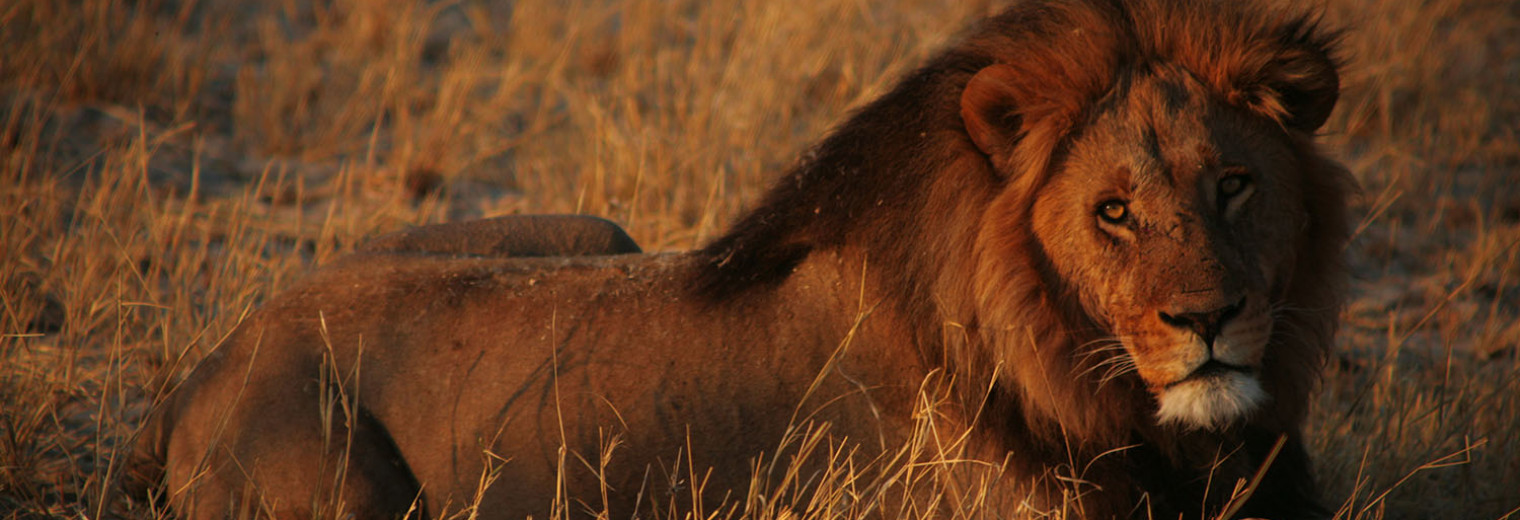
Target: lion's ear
1301 86
1309 86
990 109
1004 105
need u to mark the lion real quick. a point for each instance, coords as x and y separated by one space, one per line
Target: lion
1096 235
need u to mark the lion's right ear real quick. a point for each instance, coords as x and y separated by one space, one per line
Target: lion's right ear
1004 105
990 109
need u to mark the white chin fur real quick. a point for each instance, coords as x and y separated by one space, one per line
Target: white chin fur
1210 402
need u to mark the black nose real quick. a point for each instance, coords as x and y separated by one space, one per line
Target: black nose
1206 324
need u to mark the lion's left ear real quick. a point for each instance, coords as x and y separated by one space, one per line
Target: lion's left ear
1303 86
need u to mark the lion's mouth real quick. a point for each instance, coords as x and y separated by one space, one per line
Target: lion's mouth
1212 369
1213 395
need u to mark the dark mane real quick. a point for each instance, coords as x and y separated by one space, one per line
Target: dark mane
869 182
850 188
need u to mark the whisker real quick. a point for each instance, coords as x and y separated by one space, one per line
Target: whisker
1099 346
1103 342
1115 360
1117 347
1117 371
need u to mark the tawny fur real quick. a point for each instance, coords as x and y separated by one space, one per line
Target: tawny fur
943 244
511 236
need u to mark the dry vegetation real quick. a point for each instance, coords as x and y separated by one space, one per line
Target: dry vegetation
165 166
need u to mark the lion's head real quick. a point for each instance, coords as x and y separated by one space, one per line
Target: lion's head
1170 199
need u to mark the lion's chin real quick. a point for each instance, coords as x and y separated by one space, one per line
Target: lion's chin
1210 400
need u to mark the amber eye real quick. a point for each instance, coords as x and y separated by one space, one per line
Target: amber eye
1233 185
1113 211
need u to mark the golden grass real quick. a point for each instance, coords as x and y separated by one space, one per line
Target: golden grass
166 165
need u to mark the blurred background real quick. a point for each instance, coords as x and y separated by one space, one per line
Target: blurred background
167 165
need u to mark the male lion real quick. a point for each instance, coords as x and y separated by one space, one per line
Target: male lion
1086 260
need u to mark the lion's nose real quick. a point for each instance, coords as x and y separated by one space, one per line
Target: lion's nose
1206 324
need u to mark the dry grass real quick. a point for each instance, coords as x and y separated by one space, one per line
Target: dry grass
166 165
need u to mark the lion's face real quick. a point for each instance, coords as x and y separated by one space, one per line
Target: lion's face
1173 218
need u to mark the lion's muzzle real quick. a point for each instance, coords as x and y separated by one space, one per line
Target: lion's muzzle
1202 365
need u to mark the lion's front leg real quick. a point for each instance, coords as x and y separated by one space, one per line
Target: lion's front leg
1287 490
